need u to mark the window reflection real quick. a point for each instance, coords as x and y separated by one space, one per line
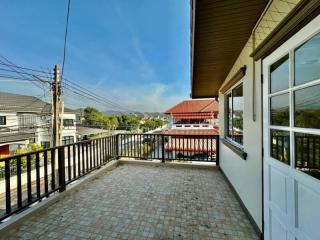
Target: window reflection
279 75
279 110
307 61
307 107
280 145
229 120
235 116
307 153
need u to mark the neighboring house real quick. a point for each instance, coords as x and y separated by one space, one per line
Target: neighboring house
262 60
69 130
79 116
193 117
200 114
27 119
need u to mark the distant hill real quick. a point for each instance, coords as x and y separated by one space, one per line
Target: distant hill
151 114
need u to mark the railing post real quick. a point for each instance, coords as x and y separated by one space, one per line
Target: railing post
117 146
7 182
61 169
162 149
217 151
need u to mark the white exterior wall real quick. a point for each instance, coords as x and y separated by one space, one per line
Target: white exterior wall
70 131
41 134
246 175
11 120
44 135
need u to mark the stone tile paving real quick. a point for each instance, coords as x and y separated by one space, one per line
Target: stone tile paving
143 202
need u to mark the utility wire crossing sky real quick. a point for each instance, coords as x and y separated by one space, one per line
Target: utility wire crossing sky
133 52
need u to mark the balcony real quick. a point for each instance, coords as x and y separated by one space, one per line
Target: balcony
98 189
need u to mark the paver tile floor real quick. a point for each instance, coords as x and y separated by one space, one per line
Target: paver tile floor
143 202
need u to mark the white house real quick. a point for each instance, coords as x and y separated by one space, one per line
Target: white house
193 117
27 119
262 60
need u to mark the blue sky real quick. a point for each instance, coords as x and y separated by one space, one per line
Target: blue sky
135 52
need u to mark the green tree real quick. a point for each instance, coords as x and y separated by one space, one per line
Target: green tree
93 117
127 121
153 123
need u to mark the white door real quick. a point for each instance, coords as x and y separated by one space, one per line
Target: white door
291 125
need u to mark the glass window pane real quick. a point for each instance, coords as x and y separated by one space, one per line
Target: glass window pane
280 145
279 75
279 106
307 61
229 116
307 107
307 153
2 120
237 120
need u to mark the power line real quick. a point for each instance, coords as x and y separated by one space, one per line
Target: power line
65 39
73 87
15 66
110 102
101 100
17 78
88 95
15 71
24 68
85 95
97 100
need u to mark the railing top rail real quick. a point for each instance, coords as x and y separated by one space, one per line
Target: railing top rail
51 149
167 134
91 140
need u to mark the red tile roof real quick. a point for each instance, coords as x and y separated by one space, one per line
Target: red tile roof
195 106
193 115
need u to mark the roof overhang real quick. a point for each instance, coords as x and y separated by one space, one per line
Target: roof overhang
219 31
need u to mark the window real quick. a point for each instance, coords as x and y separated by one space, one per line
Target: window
279 107
307 64
294 102
234 123
68 122
279 75
307 107
3 120
67 140
45 144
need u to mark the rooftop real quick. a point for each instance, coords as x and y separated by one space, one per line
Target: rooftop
195 106
142 201
11 102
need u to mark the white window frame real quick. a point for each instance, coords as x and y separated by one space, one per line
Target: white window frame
69 137
226 112
68 120
290 90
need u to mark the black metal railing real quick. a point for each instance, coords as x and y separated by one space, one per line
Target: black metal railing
30 177
168 147
307 154
38 174
306 151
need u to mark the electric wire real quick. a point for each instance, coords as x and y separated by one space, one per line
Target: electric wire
65 39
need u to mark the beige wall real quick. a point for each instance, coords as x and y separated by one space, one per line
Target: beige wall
246 175
276 12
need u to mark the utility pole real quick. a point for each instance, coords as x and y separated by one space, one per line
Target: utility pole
56 100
